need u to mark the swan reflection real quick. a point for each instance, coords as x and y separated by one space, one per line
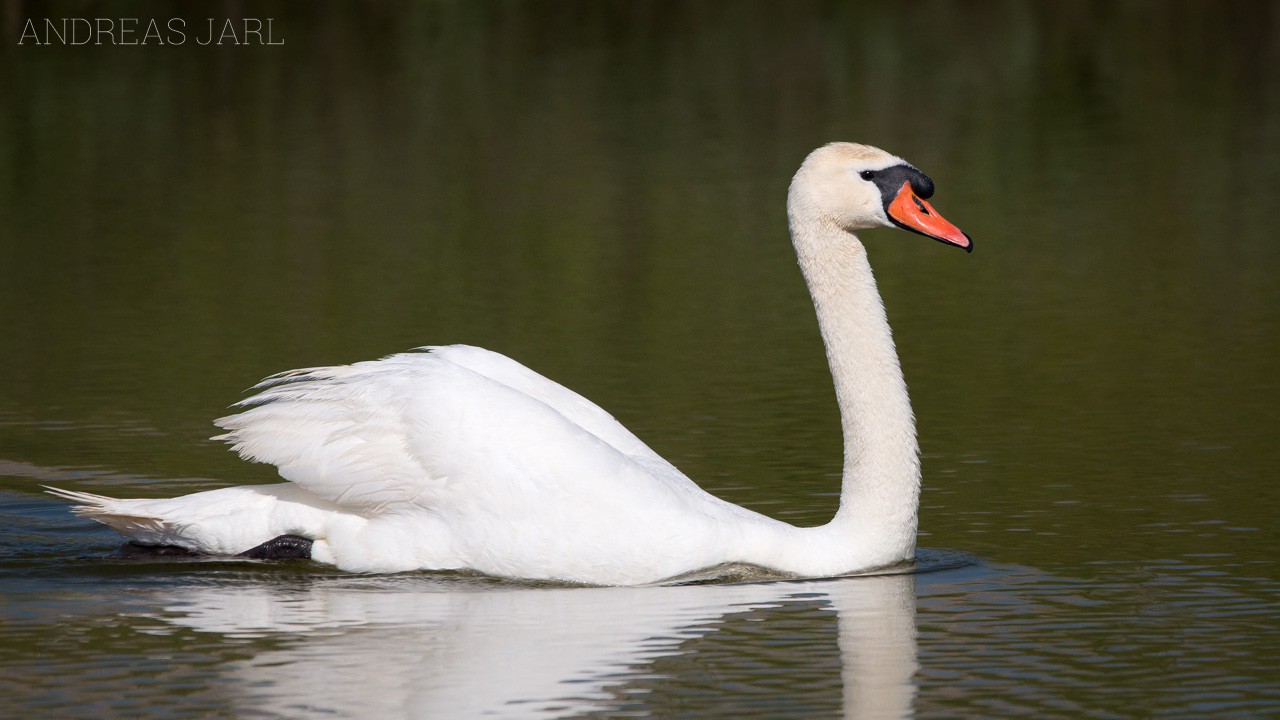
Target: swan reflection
410 647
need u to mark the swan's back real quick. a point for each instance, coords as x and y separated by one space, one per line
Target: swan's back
488 456
399 431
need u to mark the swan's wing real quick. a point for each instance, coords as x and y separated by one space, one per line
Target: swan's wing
434 430
574 407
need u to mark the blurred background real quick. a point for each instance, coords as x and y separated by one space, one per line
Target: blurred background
597 189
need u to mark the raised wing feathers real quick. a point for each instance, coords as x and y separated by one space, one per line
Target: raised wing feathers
404 431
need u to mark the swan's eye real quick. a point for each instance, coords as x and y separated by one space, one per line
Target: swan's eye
866 175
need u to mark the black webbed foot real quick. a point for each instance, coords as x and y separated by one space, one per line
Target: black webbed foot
284 547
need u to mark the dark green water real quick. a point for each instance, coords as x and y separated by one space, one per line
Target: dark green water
596 189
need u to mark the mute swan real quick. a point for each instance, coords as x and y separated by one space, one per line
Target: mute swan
460 458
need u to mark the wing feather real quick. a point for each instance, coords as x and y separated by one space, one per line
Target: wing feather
431 430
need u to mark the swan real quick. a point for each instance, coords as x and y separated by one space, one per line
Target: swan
458 458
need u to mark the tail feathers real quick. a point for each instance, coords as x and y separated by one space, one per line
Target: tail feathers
117 515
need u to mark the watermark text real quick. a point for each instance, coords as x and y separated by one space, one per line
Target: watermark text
149 31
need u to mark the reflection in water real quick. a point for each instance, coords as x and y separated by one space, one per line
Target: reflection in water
414 649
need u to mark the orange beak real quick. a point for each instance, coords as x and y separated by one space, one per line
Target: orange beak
908 211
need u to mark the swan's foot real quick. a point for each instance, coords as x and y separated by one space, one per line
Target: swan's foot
138 550
285 547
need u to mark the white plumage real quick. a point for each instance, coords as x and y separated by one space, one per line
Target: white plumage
460 458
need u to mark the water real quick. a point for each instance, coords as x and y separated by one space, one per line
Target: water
596 189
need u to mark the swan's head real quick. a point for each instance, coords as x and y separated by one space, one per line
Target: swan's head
858 187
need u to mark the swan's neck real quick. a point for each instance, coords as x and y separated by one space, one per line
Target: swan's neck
881 486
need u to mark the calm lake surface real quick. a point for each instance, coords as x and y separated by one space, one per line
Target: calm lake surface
597 190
